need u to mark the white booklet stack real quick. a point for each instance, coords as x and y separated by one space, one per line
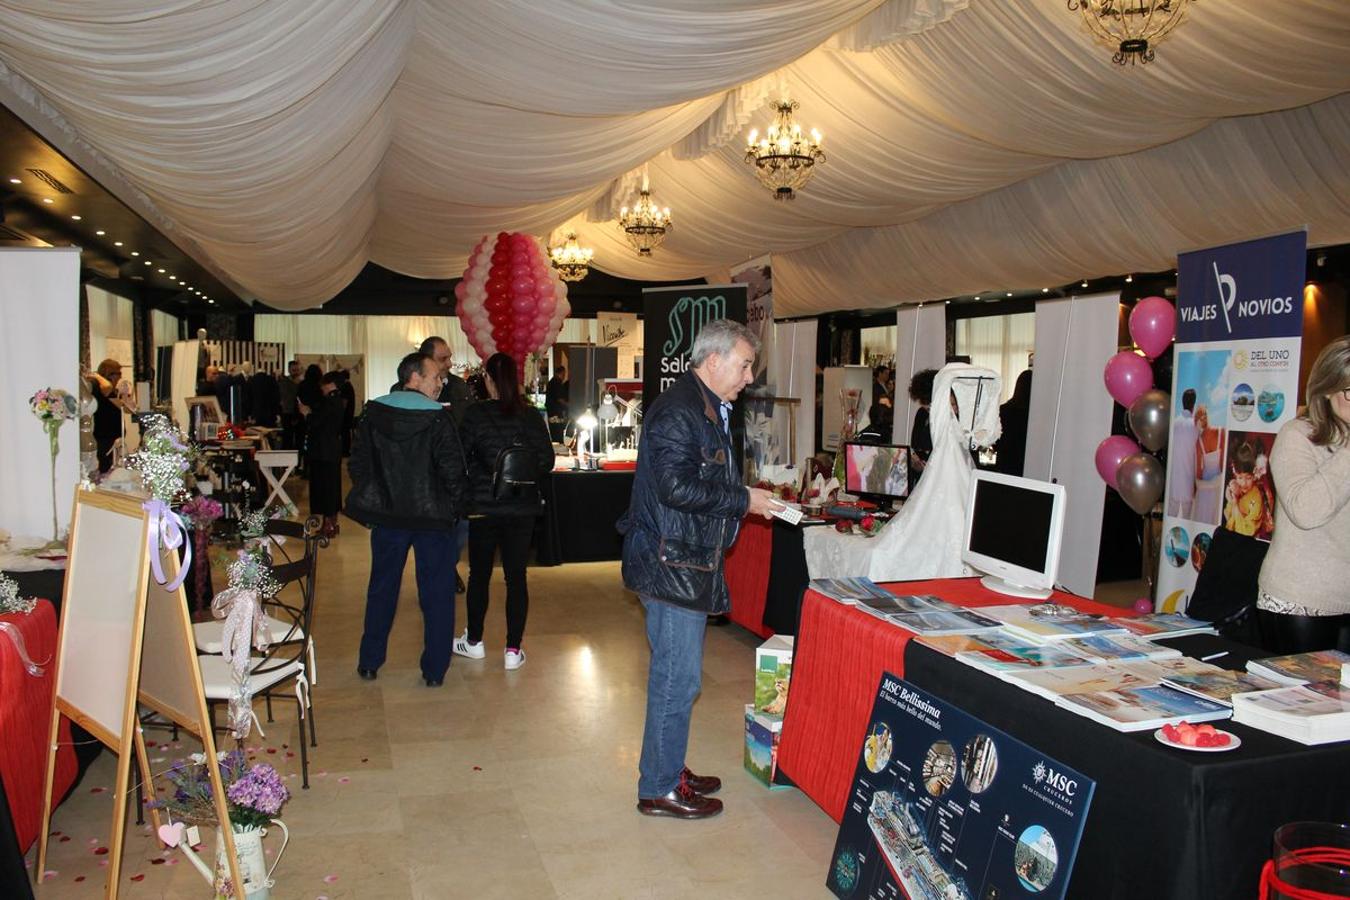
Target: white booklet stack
1300 668
1143 708
1314 713
1024 621
1154 626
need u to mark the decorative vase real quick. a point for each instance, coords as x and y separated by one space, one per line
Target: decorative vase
253 869
53 427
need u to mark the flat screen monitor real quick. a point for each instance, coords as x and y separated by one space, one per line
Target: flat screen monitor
1014 527
877 471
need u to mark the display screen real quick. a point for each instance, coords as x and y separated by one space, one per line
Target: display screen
1011 524
877 469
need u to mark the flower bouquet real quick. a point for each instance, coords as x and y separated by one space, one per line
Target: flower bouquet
255 793
10 601
53 408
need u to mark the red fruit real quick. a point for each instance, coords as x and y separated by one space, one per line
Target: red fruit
1170 732
1206 729
1222 740
1203 739
1190 738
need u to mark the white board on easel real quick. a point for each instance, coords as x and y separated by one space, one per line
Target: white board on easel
98 657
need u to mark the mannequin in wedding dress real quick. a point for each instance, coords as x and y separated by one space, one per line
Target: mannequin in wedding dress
923 540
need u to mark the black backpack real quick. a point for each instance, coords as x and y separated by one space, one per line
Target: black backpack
515 474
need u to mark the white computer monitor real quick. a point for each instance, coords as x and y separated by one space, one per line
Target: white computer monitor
1014 527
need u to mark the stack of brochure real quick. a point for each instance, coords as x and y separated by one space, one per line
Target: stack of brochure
1314 713
1153 626
1002 655
922 614
1301 668
1023 620
1219 685
849 590
1143 708
1055 683
1116 648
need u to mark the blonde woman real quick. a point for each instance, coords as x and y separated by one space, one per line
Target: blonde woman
1304 597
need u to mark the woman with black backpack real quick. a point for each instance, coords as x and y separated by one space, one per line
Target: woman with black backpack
509 454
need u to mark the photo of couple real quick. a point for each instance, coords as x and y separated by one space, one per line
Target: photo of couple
1199 436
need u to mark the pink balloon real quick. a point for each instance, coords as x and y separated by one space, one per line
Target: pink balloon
1109 454
1143 606
1127 376
461 290
523 284
523 305
1153 324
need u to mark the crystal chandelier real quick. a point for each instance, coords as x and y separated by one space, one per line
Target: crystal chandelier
1132 27
572 261
645 224
784 158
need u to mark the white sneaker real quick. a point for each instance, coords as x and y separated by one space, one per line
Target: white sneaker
514 659
463 647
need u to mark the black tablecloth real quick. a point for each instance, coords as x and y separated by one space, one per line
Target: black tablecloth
13 876
580 519
1164 823
788 579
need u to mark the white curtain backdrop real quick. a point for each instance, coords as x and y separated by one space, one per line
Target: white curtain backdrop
164 327
1001 343
109 317
969 145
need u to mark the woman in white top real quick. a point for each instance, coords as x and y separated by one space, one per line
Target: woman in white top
1208 469
1304 598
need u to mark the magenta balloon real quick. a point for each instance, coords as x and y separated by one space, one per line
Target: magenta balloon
1110 452
522 284
1127 376
1143 606
522 305
1153 324
461 290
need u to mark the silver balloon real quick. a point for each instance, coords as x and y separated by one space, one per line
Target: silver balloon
1149 418
1140 481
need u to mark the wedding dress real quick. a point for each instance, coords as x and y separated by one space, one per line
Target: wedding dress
924 538
1208 487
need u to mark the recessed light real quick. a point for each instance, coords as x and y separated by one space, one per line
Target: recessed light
76 218
209 300
149 263
100 233
1045 290
46 199
160 271
135 253
173 277
15 181
117 243
1009 294
1129 279
1083 283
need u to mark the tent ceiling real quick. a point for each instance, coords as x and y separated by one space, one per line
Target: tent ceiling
972 143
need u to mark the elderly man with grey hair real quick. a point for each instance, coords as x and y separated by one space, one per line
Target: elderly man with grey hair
684 515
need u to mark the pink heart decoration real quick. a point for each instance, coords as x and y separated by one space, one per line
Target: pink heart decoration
172 835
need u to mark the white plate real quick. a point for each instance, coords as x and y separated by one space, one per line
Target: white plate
1233 743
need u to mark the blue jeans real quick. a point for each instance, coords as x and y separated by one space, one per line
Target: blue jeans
676 638
434 553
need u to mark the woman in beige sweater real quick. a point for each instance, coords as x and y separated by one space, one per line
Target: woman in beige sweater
1304 598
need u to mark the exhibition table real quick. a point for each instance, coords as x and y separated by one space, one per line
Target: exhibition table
1163 822
25 708
766 576
581 514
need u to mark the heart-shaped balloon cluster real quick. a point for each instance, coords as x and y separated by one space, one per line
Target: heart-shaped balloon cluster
510 299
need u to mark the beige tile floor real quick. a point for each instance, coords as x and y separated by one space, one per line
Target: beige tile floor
498 784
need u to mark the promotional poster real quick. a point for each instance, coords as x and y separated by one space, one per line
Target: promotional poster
944 807
1234 385
672 318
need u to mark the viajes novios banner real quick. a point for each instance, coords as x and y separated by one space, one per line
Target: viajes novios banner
1234 384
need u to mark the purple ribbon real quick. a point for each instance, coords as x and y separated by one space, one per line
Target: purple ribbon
167 532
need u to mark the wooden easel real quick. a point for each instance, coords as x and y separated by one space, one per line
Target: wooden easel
109 608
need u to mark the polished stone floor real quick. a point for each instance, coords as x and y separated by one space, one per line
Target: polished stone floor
498 784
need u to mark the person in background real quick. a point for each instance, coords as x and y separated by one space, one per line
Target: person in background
685 512
108 412
1014 415
408 487
497 520
286 388
1303 602
920 438
556 403
207 386
308 392
881 413
348 394
266 397
454 395
221 385
323 423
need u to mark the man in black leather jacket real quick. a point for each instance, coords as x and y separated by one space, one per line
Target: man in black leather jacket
409 487
685 511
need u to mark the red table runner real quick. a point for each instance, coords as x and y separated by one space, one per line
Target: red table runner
747 573
25 705
837 663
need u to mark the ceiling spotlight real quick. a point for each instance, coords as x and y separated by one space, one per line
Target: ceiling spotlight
149 263
209 300
160 271
15 181
134 252
46 199
76 218
100 233
1045 290
118 244
1083 283
1129 279
1009 294
173 277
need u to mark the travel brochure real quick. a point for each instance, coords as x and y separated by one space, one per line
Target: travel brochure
1002 661
1314 713
944 806
1301 668
1031 623
942 622
1143 708
1220 685
1055 683
1116 648
1153 626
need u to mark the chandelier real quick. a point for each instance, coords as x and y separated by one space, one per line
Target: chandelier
572 261
1130 26
645 224
784 159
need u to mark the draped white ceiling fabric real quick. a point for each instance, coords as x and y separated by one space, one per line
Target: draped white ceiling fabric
971 143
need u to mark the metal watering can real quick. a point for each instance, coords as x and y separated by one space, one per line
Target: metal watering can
249 850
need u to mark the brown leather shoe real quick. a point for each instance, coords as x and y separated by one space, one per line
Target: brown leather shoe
682 803
702 784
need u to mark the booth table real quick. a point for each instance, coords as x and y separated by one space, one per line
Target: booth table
1163 822
766 576
25 705
581 514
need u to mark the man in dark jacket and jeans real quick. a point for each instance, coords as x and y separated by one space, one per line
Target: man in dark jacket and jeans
686 509
408 486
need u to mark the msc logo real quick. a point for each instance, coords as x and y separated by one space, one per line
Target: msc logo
1054 780
1239 359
